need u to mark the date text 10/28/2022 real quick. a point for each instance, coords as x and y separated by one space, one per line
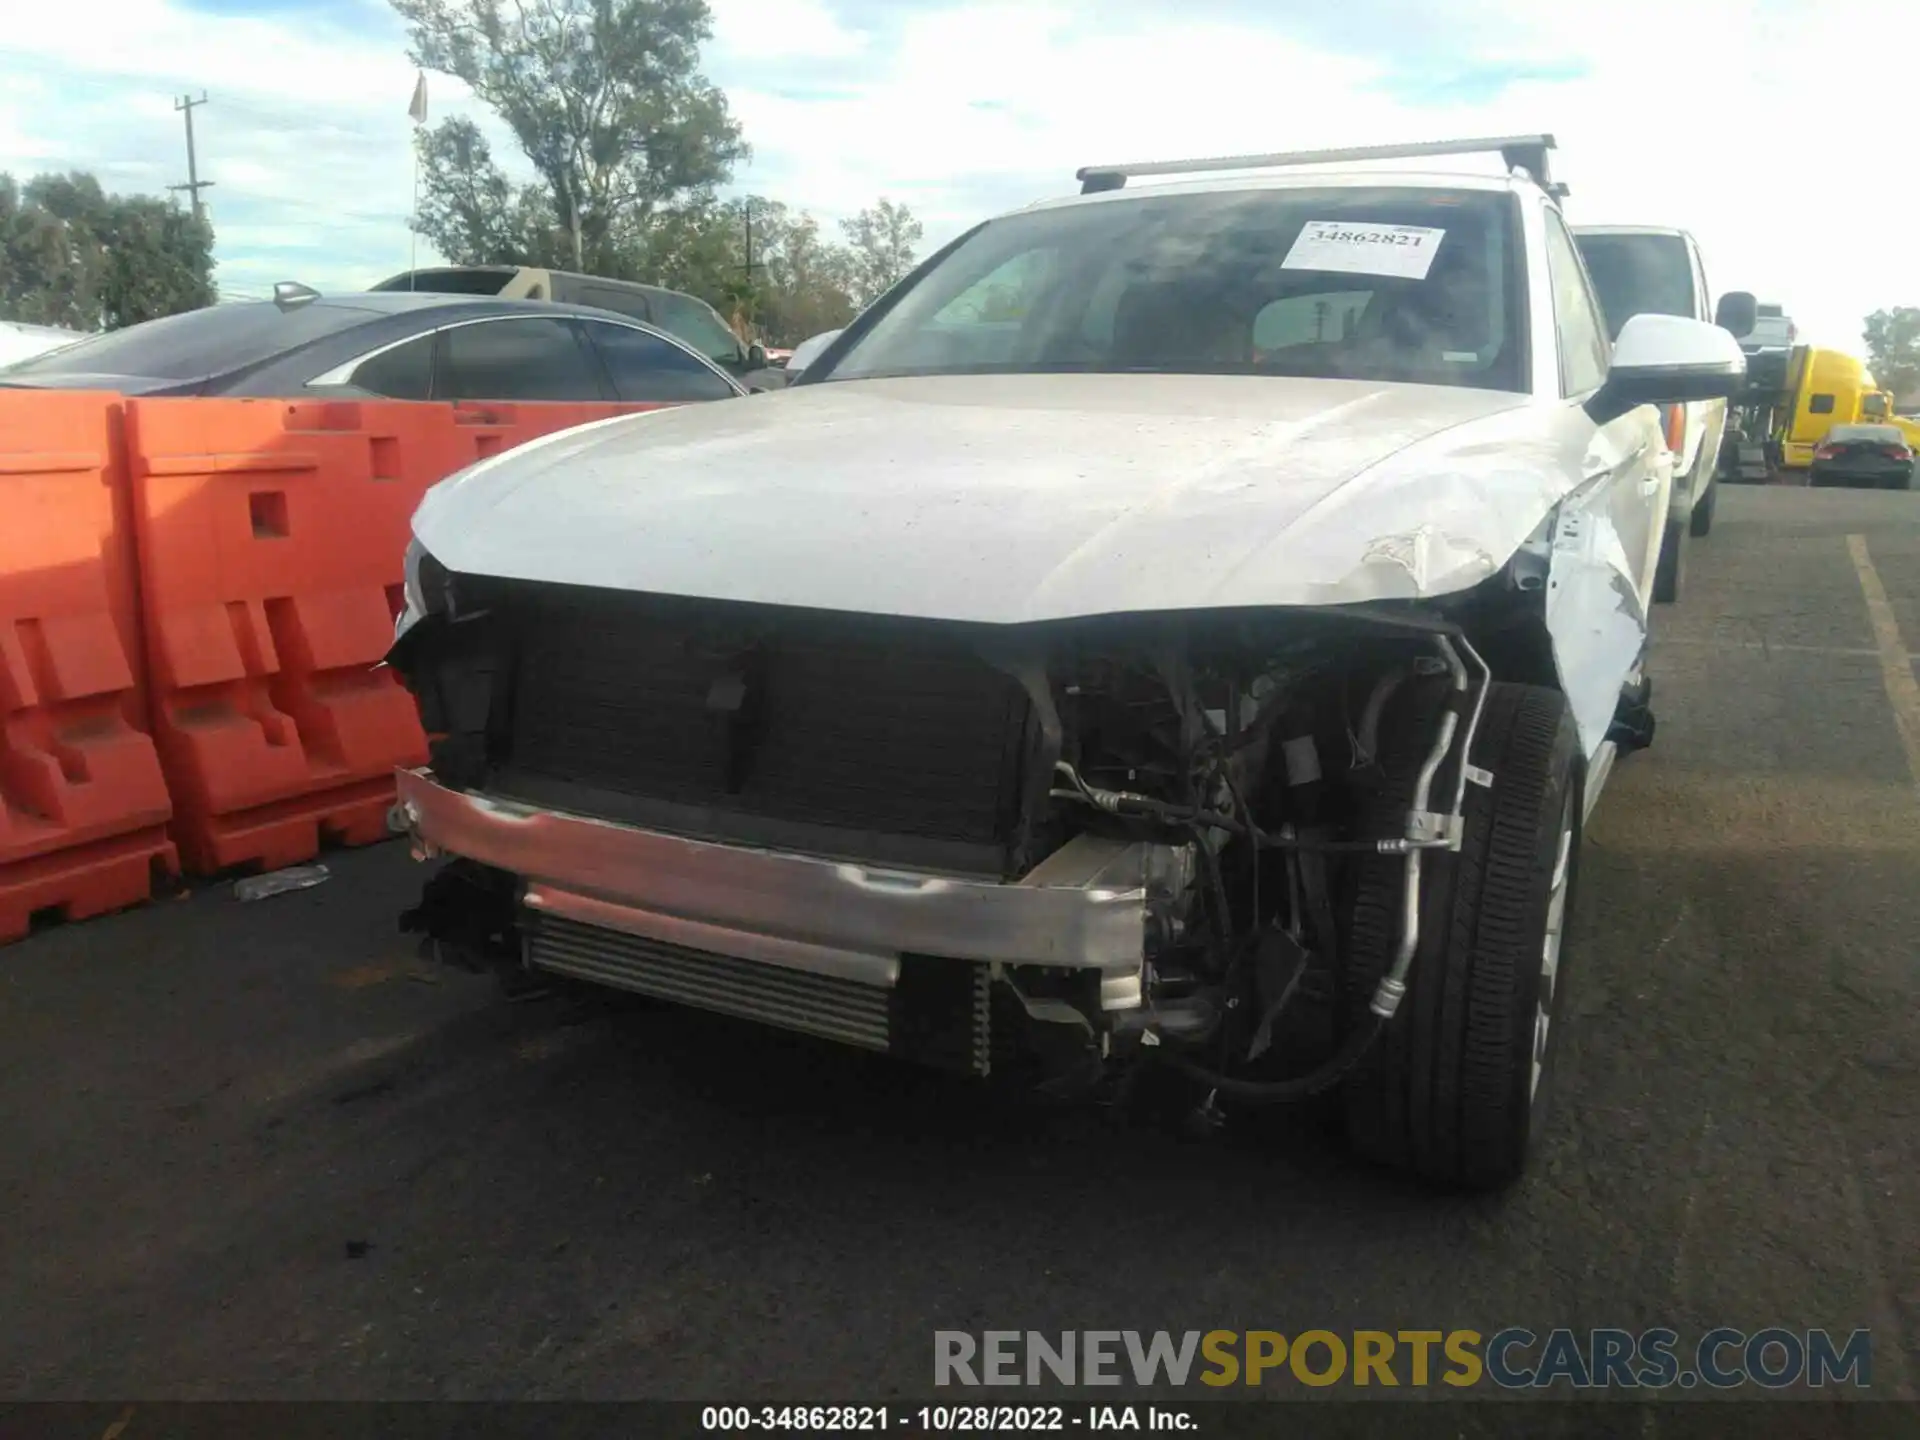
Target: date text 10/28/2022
925 1419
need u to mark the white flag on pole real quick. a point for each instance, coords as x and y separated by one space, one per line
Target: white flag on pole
417 110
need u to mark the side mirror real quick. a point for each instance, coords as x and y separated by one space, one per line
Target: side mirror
1669 360
1737 313
756 356
808 350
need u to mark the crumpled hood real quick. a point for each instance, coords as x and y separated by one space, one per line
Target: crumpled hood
1006 499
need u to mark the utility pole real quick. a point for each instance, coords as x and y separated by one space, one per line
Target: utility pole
194 184
750 264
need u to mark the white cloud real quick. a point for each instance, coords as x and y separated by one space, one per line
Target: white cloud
1750 122
305 136
1708 114
783 30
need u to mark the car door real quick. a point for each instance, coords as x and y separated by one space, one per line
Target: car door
1626 458
516 358
648 368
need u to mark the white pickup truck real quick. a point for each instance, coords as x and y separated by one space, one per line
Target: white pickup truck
1655 270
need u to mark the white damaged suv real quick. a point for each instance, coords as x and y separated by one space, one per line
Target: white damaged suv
1180 627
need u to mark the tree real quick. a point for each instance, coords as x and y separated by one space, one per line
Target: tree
157 260
73 255
605 100
797 284
882 240
471 212
809 284
1893 349
42 281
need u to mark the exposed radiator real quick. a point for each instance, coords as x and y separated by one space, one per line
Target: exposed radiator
825 1005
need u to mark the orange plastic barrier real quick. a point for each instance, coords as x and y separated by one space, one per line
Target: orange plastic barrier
487 427
271 539
83 804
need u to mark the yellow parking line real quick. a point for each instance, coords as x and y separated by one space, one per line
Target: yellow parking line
1896 661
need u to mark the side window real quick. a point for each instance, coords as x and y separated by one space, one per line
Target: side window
645 367
699 326
1820 405
403 373
1576 318
515 360
621 302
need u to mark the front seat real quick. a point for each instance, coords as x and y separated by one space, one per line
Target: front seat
1162 326
1418 324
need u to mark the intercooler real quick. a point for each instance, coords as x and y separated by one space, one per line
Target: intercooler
850 1011
856 736
937 1012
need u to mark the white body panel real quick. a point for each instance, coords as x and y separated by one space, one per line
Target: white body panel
1006 499
1010 499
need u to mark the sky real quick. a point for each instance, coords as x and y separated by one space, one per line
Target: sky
1764 126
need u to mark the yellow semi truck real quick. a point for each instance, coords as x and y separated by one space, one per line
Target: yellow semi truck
1877 409
1828 388
1788 410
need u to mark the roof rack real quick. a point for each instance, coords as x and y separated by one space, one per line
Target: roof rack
1520 152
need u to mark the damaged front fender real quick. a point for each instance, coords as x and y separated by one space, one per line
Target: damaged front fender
1595 617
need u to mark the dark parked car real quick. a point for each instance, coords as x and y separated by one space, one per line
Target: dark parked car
398 346
686 316
1864 457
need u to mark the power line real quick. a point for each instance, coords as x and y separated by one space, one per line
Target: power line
194 184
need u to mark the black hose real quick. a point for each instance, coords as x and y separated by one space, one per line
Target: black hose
1301 1087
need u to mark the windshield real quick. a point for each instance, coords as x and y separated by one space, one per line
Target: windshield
215 341
1639 275
1344 283
1866 434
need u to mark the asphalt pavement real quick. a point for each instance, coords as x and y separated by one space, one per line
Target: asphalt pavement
256 1150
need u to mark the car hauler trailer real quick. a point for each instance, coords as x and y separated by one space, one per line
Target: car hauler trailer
1793 398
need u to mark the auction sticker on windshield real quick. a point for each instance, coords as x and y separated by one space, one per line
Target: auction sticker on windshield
1406 251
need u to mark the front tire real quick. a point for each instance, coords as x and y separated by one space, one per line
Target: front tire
1671 568
1453 1089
